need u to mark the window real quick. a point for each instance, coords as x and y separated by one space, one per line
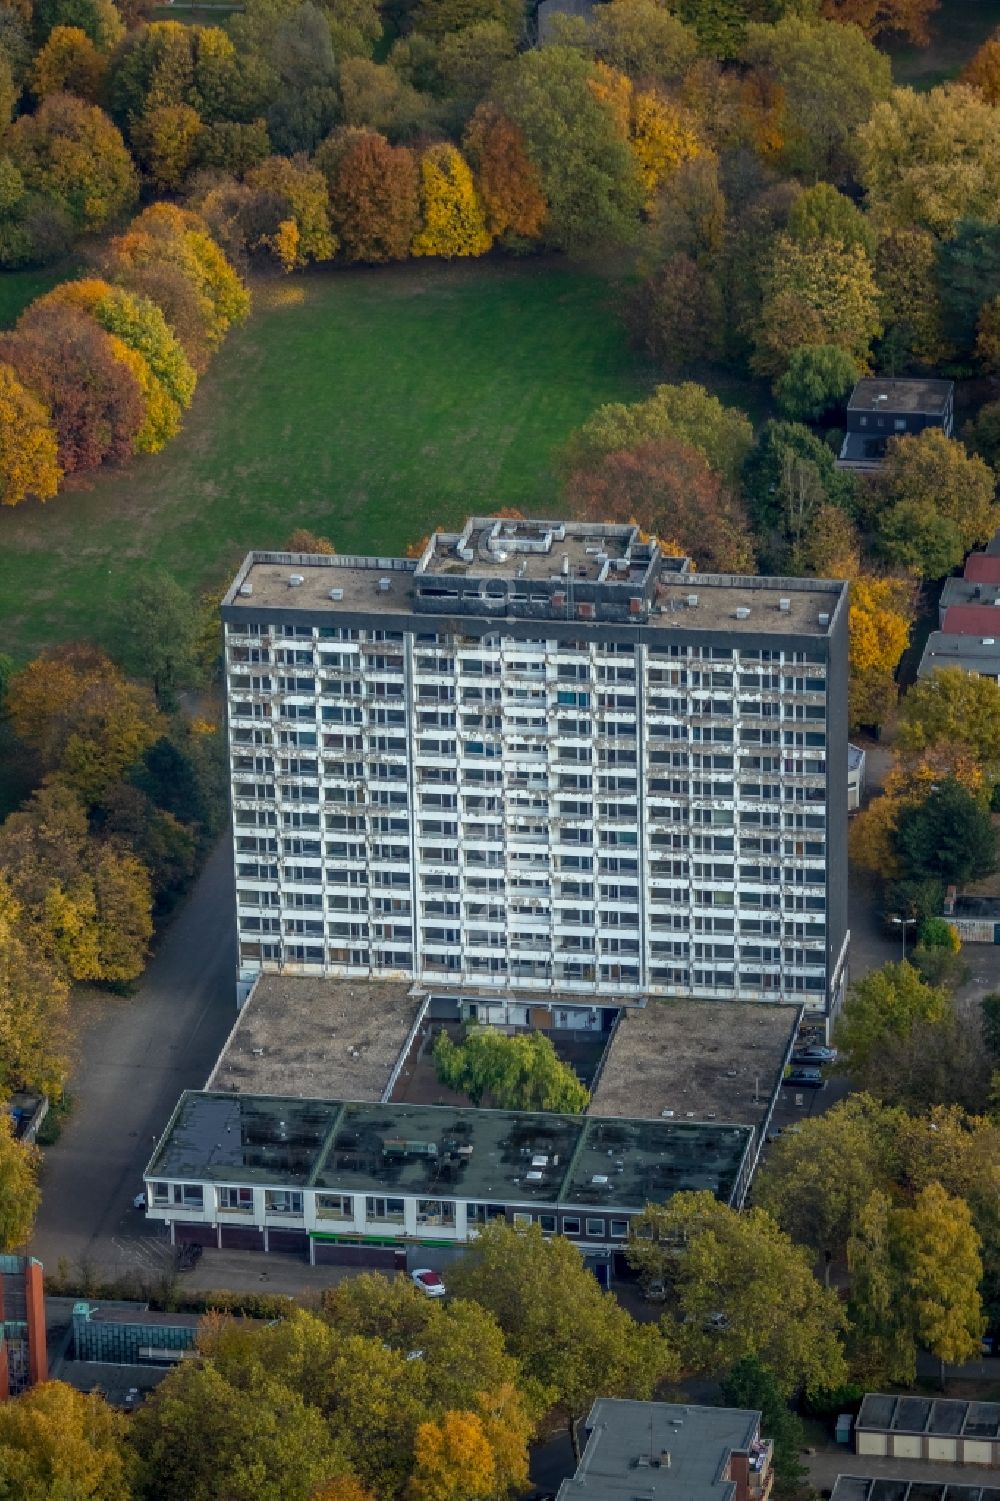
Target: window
619 1229
571 1225
480 1214
160 1193
189 1195
282 1201
521 1218
235 1200
334 1207
595 1227
547 1223
436 1212
384 1209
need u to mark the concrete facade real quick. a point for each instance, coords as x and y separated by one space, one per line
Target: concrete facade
541 756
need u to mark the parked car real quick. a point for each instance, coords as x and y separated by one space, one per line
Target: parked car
814 1053
804 1078
429 1282
655 1291
139 1202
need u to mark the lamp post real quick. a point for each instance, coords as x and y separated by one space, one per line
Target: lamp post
903 923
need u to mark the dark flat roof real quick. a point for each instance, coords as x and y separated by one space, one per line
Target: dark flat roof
891 1488
908 1414
926 396
971 653
445 1152
626 1451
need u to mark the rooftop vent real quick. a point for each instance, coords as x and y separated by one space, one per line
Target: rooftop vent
336 593
784 604
743 613
384 585
824 618
246 588
295 579
466 554
989 641
692 601
585 610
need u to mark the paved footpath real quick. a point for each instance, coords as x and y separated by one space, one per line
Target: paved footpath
134 1061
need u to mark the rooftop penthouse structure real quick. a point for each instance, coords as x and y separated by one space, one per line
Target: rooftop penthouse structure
543 755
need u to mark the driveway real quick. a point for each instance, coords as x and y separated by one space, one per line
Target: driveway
134 1060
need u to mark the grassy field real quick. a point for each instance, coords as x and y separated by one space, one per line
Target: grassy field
18 288
958 30
368 406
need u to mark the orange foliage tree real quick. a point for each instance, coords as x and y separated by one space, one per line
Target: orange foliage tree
374 198
905 17
29 453
509 184
68 63
668 488
982 72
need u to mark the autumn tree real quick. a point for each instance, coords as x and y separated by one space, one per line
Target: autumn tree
167 140
33 997
100 20
789 477
982 71
830 77
71 365
928 160
906 18
821 212
685 412
669 489
19 1200
168 254
947 836
374 199
293 212
57 1441
830 548
939 1248
816 1182
737 1286
881 1343
571 1338
589 175
69 151
29 455
523 1072
454 1460
885 1003
303 540
509 184
68 63
816 293
643 40
881 617
909 295
679 312
932 503
451 213
750 1385
251 1435
75 709
955 708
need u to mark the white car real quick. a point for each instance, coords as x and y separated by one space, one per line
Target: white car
139 1202
428 1281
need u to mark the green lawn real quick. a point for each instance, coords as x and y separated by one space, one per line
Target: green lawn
958 30
367 405
18 288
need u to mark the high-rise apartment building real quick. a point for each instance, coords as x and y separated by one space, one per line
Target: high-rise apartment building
542 756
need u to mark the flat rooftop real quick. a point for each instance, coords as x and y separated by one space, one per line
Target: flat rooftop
440 1151
971 653
714 1060
748 605
607 562
624 1456
317 1038
925 396
929 1415
886 1488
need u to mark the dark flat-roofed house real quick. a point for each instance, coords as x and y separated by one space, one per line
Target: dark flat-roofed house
880 409
662 1451
897 1488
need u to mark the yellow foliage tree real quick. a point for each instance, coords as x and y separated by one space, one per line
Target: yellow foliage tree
614 91
68 63
454 1460
870 840
286 242
661 139
167 140
454 223
56 1441
881 615
988 336
162 419
33 997
29 462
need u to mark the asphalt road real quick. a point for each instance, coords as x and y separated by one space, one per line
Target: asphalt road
134 1061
